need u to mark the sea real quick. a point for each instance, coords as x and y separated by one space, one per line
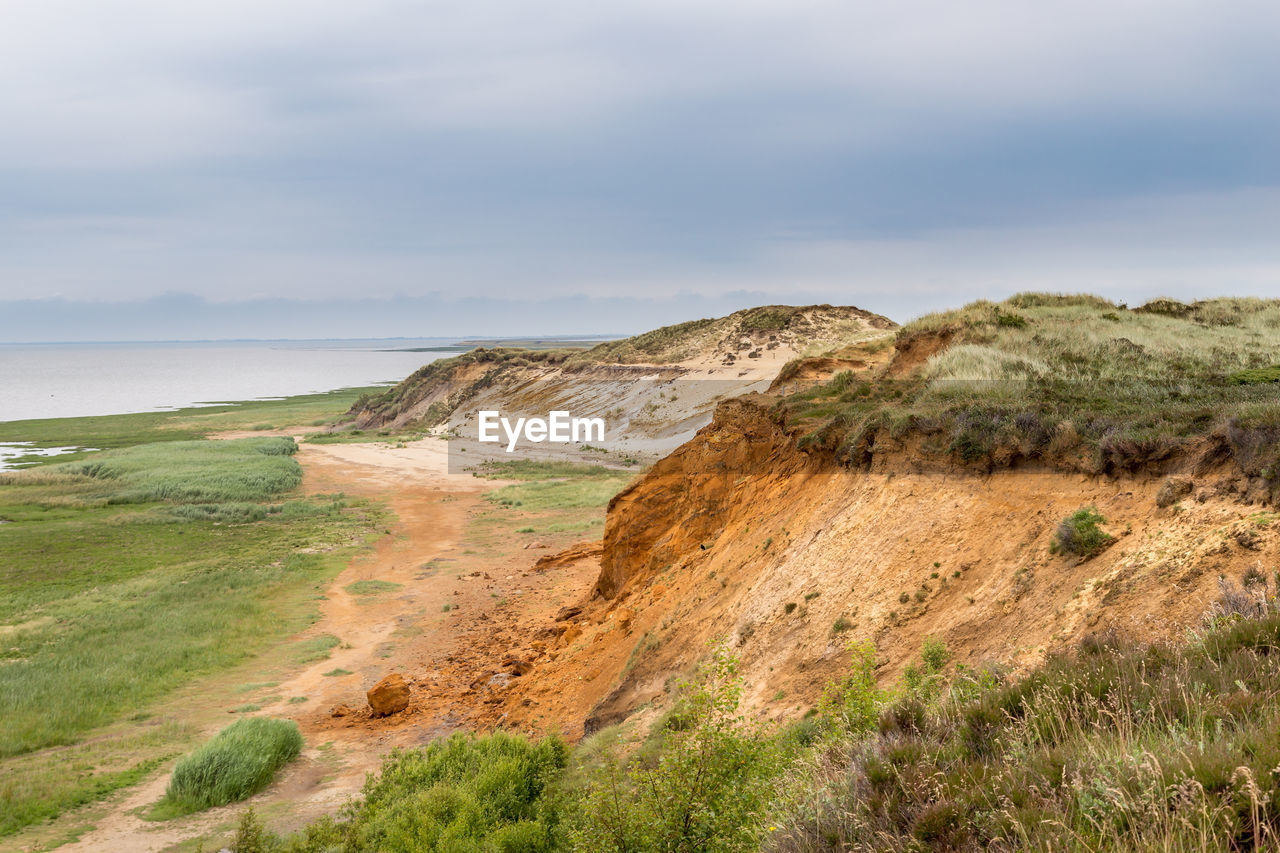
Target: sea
67 380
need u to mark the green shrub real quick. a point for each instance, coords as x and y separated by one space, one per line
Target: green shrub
239 761
1080 534
704 791
461 793
853 704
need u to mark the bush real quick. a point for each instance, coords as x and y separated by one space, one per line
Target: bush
704 791
853 705
1080 534
489 793
241 760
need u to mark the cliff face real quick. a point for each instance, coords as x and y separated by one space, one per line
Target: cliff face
684 502
877 501
740 537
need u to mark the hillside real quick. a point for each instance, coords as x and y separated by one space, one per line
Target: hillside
922 495
658 387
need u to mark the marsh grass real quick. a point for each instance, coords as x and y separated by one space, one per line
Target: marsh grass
106 608
114 431
178 602
239 761
190 472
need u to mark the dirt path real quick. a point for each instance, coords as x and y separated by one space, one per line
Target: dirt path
396 628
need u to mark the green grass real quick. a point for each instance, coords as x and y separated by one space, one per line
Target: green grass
189 472
239 761
1080 534
1255 376
460 793
42 785
532 470
1111 746
176 600
550 486
315 648
371 587
112 431
108 606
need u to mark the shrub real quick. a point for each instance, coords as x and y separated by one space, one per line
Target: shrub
704 791
853 704
239 761
1080 534
489 793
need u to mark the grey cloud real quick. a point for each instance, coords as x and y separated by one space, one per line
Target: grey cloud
838 150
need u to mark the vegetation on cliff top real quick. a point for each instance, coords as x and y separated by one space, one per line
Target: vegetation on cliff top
1055 377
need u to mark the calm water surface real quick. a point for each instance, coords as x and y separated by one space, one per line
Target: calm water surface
74 380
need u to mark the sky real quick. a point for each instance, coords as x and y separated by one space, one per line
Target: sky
280 168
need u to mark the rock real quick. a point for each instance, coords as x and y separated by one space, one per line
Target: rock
518 665
567 613
341 711
389 696
1173 490
572 633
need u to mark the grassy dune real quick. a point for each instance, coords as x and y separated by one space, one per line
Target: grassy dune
1043 376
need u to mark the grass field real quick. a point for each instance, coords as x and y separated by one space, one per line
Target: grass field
551 498
131 573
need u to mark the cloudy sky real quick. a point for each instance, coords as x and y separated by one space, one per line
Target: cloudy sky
600 165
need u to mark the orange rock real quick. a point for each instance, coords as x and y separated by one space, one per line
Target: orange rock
389 696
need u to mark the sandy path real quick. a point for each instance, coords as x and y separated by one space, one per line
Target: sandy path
378 632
